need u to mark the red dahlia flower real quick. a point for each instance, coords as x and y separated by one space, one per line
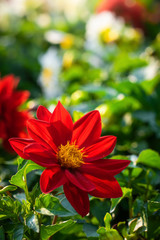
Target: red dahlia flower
72 155
12 120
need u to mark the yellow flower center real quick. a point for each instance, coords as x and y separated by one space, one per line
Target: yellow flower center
67 42
47 75
68 59
109 35
70 156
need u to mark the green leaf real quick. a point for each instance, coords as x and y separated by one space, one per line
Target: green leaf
137 225
32 222
48 231
138 206
2 236
127 192
19 178
65 203
8 207
132 224
125 62
122 228
20 196
18 232
90 230
35 192
136 172
102 231
8 188
98 209
150 158
21 162
4 216
111 234
49 205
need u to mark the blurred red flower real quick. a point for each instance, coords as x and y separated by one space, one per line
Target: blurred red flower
133 12
12 119
72 155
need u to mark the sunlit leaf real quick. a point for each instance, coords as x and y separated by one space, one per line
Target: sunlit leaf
8 188
48 231
107 220
18 179
32 222
50 206
149 158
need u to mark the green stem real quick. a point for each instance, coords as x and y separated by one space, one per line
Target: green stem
26 187
39 222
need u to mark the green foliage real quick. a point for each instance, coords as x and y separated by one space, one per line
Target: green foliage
8 188
150 158
107 233
47 231
19 179
50 206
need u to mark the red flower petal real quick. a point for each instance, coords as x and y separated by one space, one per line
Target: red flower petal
39 131
104 167
51 179
10 99
62 115
108 188
7 85
18 144
87 129
3 132
101 148
43 114
40 155
77 198
19 97
60 133
79 180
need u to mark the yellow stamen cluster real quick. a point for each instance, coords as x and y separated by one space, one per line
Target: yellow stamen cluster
70 156
67 41
109 35
47 76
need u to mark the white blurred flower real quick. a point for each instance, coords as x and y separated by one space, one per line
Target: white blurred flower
13 7
43 20
49 76
54 36
17 7
103 28
66 40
